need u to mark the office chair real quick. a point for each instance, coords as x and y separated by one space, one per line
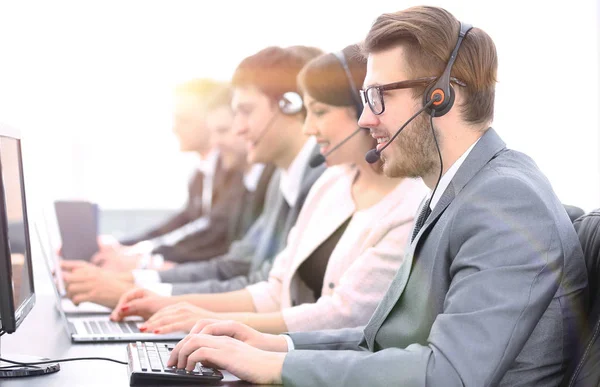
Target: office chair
573 212
584 370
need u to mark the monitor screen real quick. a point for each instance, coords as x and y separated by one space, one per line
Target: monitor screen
16 285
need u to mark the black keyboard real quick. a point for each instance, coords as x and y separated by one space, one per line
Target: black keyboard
148 364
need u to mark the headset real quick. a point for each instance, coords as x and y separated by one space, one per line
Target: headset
353 89
290 103
441 92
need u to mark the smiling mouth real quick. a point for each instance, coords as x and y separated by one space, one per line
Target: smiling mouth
381 141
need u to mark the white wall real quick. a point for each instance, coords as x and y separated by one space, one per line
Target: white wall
90 82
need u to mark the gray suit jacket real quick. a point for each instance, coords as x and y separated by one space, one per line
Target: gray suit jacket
489 293
250 259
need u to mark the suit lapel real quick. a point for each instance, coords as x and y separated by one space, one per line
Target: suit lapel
486 149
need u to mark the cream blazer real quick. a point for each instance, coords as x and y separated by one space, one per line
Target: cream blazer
362 264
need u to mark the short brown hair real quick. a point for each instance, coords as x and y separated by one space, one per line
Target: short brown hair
273 70
428 35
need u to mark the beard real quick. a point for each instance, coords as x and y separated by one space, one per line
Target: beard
413 153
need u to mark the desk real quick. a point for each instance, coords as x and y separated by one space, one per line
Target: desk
43 334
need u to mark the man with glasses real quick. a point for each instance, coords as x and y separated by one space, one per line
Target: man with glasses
492 285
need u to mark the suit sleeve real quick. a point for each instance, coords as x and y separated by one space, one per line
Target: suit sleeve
175 221
331 339
507 264
213 241
235 263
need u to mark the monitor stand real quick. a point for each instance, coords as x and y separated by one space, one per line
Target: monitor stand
16 371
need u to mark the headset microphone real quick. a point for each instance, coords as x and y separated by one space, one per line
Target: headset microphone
319 159
373 155
264 130
289 104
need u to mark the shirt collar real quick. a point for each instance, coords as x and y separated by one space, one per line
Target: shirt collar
252 177
291 179
447 177
208 164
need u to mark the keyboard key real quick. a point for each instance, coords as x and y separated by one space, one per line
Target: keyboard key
95 328
105 327
132 326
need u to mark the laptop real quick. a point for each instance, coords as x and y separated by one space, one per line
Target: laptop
53 261
99 328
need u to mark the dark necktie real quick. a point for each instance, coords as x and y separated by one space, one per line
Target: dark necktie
423 215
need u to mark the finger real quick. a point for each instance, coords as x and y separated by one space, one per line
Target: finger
201 325
173 358
192 345
71 265
127 298
165 311
77 288
199 341
82 297
210 357
140 307
233 329
177 326
160 323
98 259
72 277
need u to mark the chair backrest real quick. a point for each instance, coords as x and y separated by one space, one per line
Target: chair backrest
585 368
573 212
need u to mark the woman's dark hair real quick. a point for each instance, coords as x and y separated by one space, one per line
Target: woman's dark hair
325 80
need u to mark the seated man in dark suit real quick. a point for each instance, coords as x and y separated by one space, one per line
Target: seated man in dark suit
491 289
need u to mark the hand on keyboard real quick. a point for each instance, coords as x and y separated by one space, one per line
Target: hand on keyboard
241 332
148 363
242 360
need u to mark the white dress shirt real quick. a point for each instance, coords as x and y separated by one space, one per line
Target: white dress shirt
252 177
448 176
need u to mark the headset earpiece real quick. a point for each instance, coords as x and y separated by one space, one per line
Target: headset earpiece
290 103
441 107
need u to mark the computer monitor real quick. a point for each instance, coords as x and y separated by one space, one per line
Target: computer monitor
17 293
16 276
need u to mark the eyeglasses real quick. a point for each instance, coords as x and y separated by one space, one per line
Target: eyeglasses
373 95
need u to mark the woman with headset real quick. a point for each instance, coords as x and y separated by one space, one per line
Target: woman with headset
349 238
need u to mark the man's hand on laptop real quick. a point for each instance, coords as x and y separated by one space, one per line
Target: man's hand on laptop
86 282
140 302
116 260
